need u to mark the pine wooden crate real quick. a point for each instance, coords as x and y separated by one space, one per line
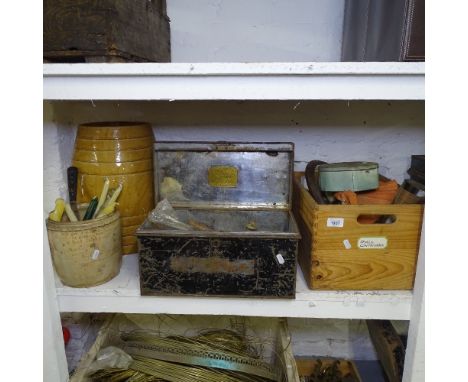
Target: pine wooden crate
272 334
305 367
338 253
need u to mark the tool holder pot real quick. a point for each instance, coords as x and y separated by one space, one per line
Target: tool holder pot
86 253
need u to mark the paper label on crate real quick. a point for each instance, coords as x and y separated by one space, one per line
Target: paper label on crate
95 254
347 244
335 222
222 176
372 243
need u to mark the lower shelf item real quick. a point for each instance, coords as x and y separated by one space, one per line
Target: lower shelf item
83 329
268 338
327 369
389 348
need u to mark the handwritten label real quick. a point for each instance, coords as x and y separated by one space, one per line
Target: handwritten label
335 222
372 243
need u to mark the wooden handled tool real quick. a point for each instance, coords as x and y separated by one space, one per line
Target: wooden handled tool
72 179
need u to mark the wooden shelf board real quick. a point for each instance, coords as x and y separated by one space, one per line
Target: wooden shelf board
122 294
235 81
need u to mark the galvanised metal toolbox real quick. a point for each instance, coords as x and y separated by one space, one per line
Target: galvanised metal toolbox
236 199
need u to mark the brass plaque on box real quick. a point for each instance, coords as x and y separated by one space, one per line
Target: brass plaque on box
222 176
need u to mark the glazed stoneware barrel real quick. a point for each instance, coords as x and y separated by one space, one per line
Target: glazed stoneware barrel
123 153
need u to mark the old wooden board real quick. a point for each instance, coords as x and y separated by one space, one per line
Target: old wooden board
389 348
306 367
106 31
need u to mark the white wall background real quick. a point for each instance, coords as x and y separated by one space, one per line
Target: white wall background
384 132
259 30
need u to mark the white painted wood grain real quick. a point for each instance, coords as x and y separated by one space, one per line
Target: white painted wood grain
234 69
55 362
414 370
256 81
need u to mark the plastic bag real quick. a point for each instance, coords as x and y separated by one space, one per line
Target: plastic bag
110 357
166 216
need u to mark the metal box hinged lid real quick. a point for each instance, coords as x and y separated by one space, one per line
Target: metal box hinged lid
222 225
219 175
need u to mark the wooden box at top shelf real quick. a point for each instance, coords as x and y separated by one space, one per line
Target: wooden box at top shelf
329 252
106 31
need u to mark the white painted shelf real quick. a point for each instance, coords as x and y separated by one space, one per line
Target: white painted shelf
235 81
122 294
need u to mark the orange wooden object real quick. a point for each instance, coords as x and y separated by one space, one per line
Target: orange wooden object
347 197
385 194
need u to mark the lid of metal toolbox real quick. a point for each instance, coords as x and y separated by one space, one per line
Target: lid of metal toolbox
224 174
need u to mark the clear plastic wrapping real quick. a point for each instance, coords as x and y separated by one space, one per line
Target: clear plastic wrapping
110 357
164 215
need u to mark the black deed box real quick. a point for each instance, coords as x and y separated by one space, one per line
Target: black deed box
242 239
